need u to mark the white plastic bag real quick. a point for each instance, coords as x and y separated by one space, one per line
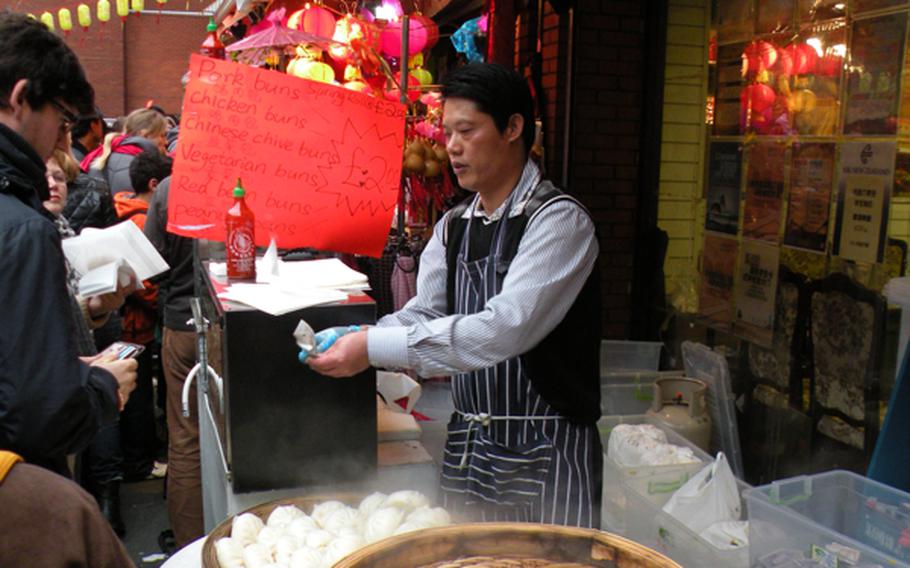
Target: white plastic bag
711 496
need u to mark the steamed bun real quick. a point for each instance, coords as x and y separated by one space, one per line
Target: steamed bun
245 528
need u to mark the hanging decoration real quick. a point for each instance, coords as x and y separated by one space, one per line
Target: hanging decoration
464 39
161 4
123 10
138 6
84 16
256 48
66 20
314 20
48 20
103 9
391 38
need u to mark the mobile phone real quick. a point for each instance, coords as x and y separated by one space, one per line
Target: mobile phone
123 350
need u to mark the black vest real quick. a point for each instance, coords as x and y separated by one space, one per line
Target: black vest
565 366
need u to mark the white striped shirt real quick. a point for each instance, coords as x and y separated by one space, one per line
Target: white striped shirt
554 259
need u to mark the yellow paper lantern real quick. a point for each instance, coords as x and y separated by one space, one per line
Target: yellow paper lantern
66 20
138 6
84 15
48 20
161 3
123 9
422 75
314 70
104 10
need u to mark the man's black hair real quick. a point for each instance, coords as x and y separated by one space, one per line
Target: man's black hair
497 91
28 50
149 165
84 124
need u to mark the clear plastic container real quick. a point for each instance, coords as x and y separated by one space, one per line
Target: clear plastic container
648 524
838 517
624 356
668 477
624 399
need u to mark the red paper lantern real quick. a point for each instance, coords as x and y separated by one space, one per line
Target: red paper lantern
784 65
391 38
315 20
756 97
431 27
830 65
413 85
760 55
804 57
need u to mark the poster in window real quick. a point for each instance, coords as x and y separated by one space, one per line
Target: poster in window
755 291
818 10
734 20
773 16
860 6
874 74
724 178
715 298
863 200
811 186
764 191
902 173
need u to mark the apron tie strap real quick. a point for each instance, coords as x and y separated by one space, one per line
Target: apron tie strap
484 419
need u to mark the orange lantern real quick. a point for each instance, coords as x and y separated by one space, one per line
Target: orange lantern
315 20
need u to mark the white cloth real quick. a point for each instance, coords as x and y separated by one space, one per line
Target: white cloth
190 556
554 259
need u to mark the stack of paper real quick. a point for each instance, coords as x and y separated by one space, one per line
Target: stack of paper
102 257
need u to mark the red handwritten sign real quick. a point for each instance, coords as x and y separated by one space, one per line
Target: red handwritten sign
321 164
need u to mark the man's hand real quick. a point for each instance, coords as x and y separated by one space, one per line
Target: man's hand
104 304
344 359
124 371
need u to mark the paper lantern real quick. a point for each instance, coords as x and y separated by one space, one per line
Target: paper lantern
431 27
123 9
830 65
48 20
804 57
784 65
422 75
358 86
313 70
84 16
138 6
66 20
104 10
760 55
315 20
391 38
348 30
756 97
414 84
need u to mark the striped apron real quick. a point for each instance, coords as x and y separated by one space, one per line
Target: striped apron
509 456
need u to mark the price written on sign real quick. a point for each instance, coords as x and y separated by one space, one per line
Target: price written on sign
321 163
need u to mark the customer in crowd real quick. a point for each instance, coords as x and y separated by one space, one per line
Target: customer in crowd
89 202
51 403
505 285
87 133
178 355
143 129
48 520
140 319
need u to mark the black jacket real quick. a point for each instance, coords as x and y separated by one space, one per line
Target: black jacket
176 286
89 203
116 171
51 404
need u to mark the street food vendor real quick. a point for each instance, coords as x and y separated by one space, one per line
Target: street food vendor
508 304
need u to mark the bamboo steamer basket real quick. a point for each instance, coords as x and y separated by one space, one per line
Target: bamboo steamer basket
556 544
210 559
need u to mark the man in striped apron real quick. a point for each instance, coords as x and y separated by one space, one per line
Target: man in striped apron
508 303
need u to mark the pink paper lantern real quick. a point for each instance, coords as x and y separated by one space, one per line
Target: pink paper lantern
391 38
315 20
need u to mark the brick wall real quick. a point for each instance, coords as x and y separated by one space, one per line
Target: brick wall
129 63
603 165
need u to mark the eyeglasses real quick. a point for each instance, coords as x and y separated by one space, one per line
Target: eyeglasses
68 119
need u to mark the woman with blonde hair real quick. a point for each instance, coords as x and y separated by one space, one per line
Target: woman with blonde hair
143 129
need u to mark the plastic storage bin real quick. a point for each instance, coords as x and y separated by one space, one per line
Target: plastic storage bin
838 517
668 477
624 356
648 524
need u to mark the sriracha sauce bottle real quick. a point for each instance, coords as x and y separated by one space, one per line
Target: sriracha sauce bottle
212 46
240 241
